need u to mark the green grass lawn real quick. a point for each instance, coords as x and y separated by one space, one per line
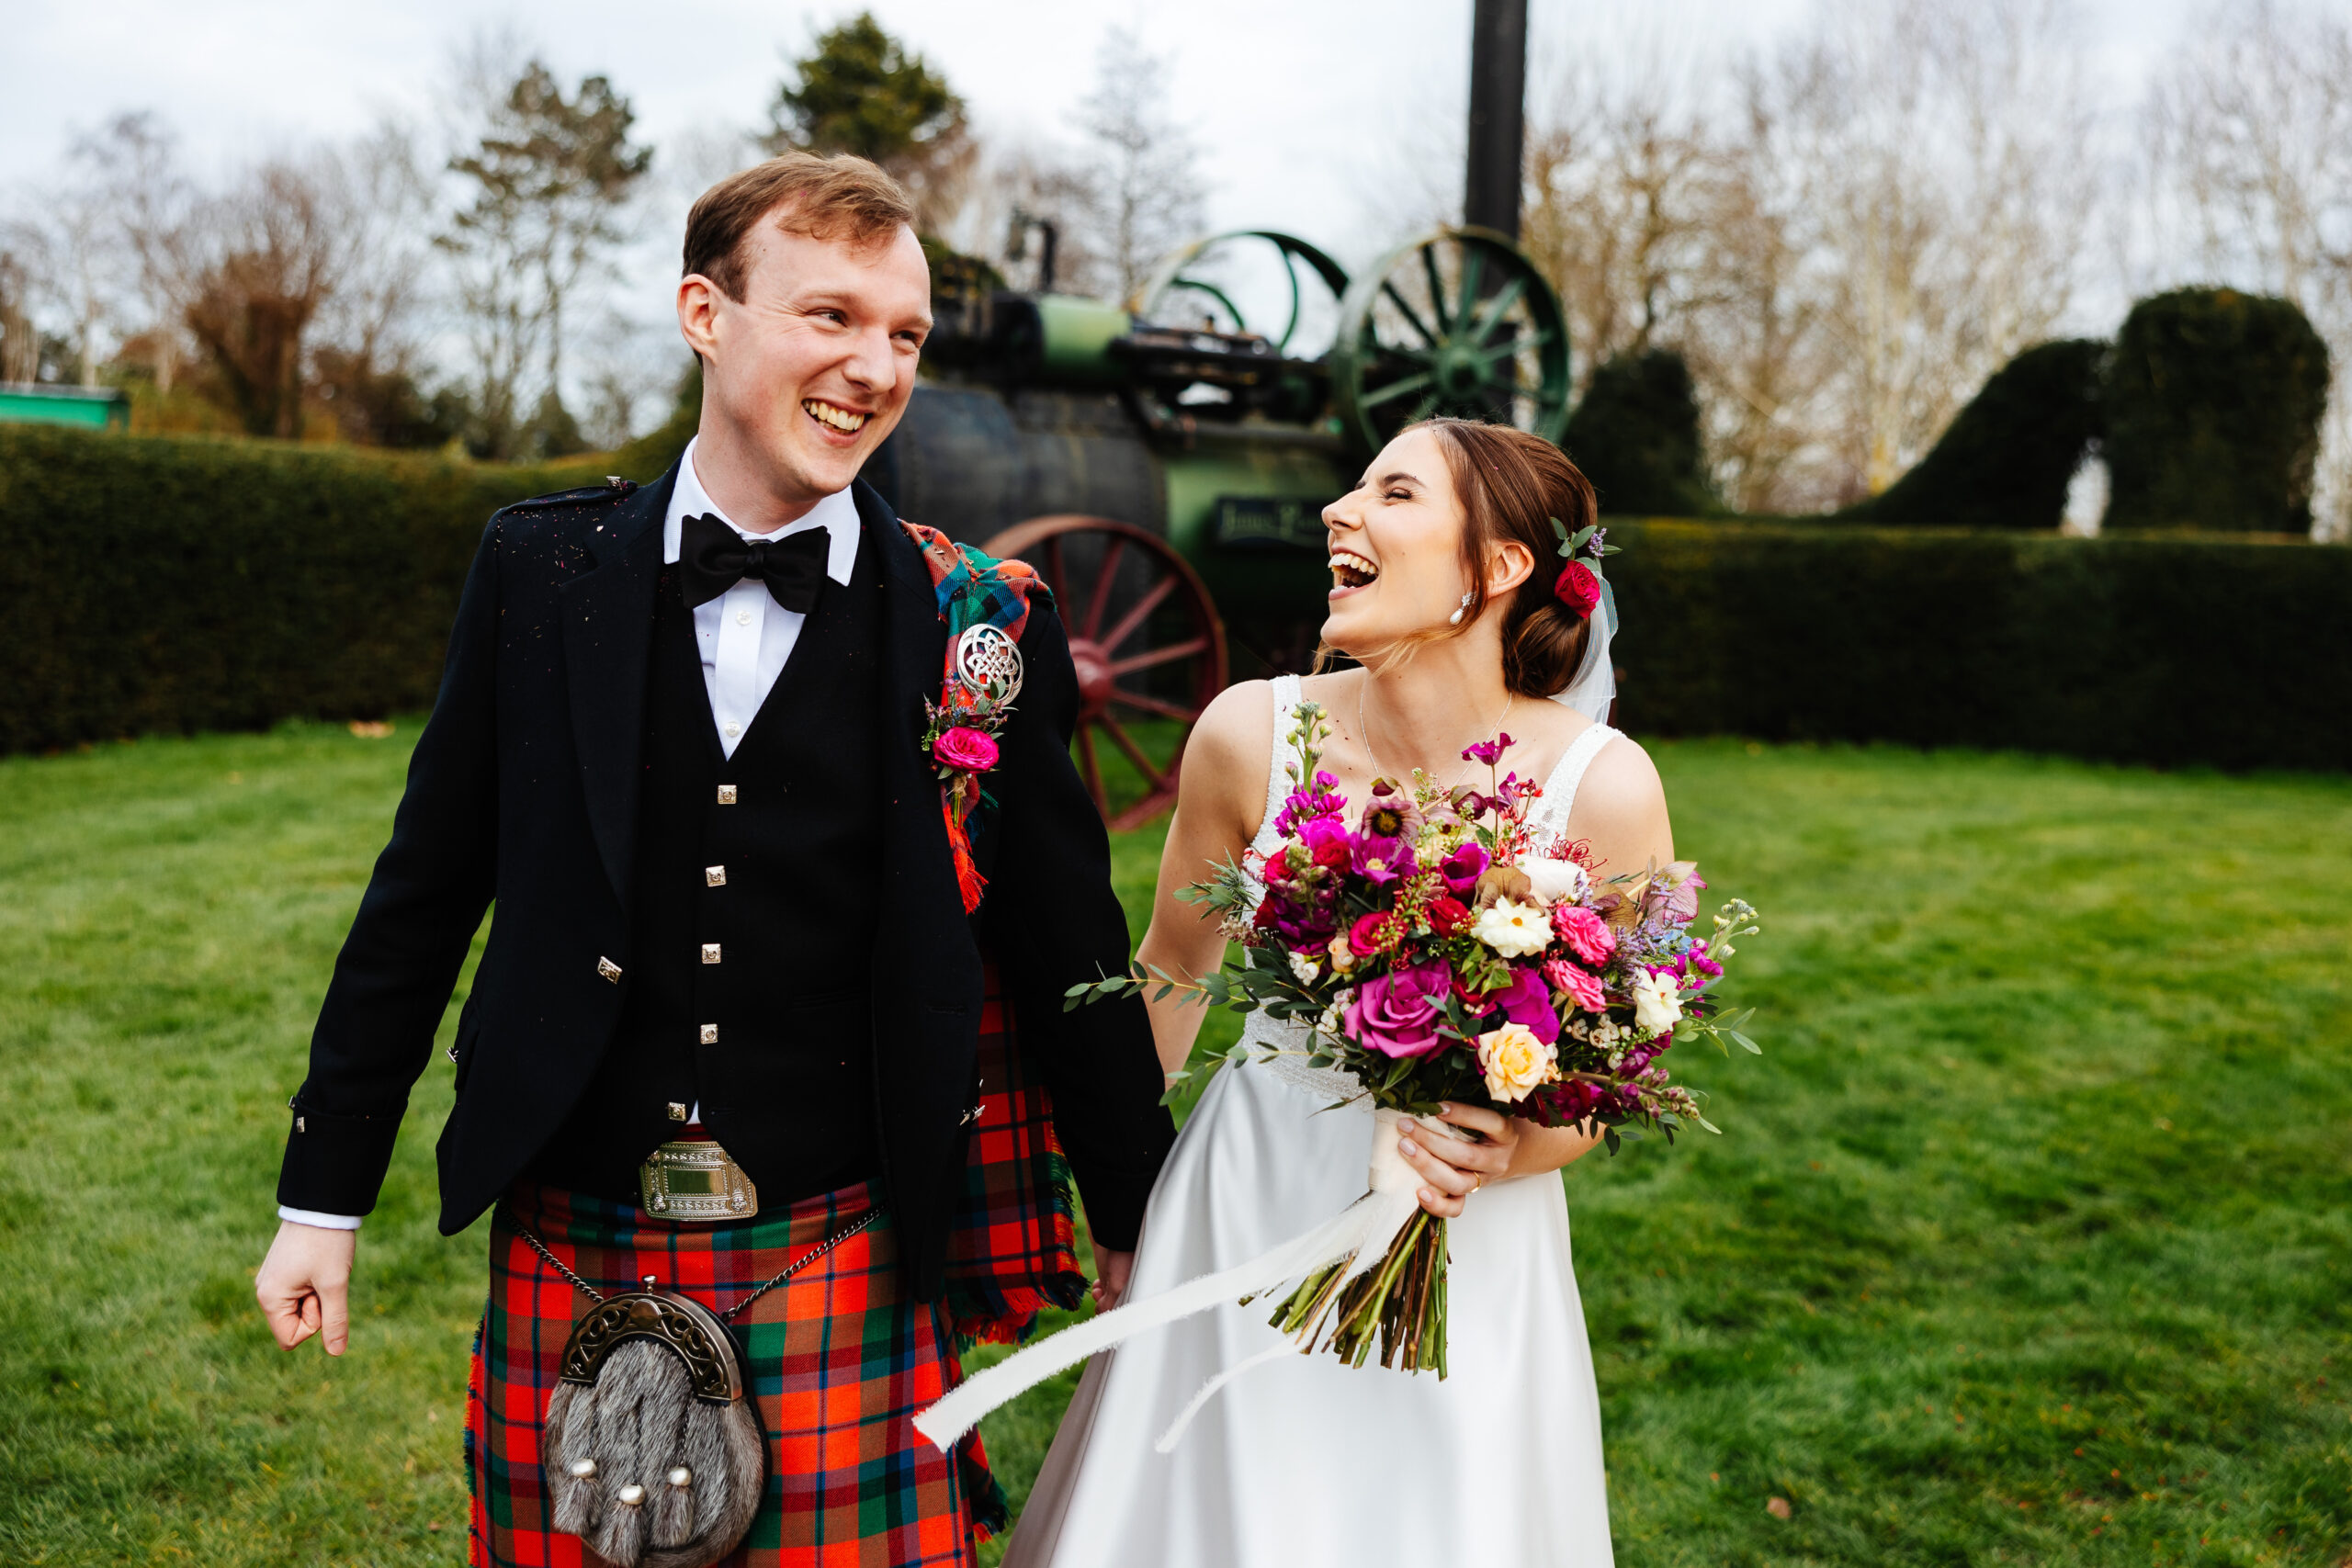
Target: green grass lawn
2029 1240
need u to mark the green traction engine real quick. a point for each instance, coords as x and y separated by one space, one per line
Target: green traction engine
1164 465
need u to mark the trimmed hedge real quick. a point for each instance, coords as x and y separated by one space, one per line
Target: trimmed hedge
2009 455
1635 436
2170 651
159 584
2213 405
150 584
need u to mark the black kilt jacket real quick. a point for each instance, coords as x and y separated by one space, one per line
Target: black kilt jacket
522 792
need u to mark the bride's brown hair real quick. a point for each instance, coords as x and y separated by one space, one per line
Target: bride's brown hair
1512 485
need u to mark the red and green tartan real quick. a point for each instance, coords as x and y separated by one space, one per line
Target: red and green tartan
1014 1248
841 1357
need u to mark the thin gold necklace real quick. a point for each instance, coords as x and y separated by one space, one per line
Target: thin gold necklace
1378 771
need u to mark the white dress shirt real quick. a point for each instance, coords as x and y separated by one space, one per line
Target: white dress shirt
744 637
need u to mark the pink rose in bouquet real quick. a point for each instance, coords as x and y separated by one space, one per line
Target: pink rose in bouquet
1583 987
1587 935
1397 1013
1374 933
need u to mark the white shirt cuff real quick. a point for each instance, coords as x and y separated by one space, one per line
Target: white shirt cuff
324 1222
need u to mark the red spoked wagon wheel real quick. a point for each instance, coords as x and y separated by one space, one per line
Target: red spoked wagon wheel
1143 633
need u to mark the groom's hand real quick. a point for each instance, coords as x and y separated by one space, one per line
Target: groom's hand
1111 1270
305 1285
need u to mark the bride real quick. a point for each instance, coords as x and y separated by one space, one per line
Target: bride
1442 560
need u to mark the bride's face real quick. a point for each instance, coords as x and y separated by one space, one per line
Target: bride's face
1396 544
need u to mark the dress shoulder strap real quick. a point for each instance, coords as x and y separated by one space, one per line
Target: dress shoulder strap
1286 699
1560 789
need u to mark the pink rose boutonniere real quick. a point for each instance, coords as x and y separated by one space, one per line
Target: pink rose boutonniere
965 750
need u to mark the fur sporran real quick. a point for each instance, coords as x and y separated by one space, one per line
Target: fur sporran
655 1458
652 1451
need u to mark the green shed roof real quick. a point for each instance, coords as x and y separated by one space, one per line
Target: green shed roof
29 403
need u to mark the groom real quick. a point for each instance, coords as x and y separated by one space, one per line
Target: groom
679 743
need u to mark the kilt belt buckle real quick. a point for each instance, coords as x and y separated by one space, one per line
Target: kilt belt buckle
695 1183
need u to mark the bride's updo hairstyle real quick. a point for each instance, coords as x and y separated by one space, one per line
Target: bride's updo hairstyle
1512 484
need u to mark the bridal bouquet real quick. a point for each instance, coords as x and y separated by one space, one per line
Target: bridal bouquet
1438 949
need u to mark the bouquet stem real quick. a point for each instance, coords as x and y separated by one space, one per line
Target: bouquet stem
1399 1301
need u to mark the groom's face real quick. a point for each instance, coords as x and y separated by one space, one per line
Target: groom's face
814 366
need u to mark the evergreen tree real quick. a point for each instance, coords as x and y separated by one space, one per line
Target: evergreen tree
860 90
2007 458
2213 405
1635 435
550 175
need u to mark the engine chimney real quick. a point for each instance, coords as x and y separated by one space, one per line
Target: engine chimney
1498 115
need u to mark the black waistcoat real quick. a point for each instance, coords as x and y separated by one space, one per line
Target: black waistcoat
754 911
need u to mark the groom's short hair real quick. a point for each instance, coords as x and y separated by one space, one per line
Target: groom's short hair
841 198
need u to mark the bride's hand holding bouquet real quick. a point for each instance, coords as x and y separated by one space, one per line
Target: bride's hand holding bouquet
1466 975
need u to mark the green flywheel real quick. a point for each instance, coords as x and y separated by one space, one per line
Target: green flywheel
1457 322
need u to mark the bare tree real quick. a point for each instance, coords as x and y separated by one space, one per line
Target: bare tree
19 341
1015 187
1937 149
1844 238
1145 192
130 167
1754 331
1618 169
264 258
61 240
385 199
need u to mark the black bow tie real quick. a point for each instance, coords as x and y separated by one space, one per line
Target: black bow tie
713 558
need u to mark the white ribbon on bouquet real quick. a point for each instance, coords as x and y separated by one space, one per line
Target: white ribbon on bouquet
1360 1233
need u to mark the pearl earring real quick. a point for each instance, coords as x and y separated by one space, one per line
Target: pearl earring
1456 619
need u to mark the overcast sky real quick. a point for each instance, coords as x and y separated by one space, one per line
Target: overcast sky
1311 114
1301 107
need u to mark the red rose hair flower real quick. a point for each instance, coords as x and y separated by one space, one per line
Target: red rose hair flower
1578 588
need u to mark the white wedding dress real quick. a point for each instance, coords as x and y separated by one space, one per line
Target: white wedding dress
1305 1463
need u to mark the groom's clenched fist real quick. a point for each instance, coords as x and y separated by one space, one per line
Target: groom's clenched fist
305 1285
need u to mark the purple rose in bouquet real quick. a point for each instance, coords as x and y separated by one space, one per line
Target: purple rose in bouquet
1528 1000
1397 1013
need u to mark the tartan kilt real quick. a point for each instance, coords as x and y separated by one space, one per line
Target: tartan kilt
842 1358
1014 1248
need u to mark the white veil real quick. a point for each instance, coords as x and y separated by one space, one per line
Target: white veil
1594 685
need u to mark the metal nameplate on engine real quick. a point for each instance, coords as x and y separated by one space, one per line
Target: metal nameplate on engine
1260 522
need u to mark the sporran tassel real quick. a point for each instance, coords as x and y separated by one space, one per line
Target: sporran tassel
572 1477
673 1507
